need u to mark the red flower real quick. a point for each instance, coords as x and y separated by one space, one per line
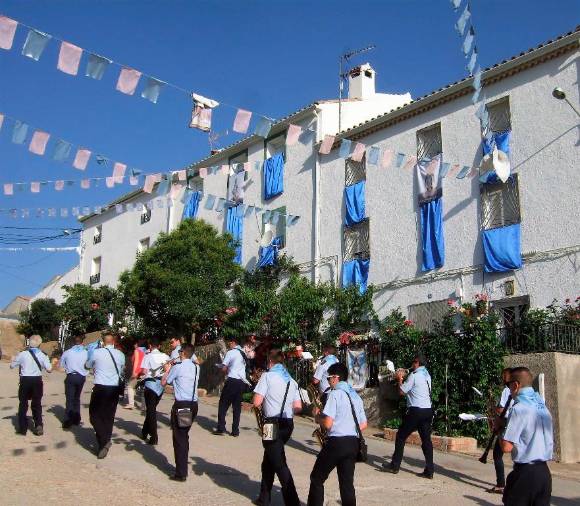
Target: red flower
408 323
450 302
567 301
94 306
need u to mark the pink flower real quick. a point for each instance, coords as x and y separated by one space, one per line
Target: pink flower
450 302
408 323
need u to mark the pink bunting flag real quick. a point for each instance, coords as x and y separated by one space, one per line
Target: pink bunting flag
38 142
454 170
203 172
411 161
474 172
225 169
149 183
119 172
432 165
293 134
85 184
8 189
358 153
7 31
69 58
81 159
35 187
175 189
326 144
133 180
110 182
182 175
242 121
59 185
387 159
128 80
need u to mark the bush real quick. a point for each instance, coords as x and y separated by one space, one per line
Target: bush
42 318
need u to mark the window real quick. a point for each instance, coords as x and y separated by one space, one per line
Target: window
145 215
426 314
143 245
195 184
275 144
278 229
356 241
234 189
354 172
511 310
500 203
429 142
95 271
98 234
499 116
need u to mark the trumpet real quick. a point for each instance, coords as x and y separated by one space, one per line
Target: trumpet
155 371
319 433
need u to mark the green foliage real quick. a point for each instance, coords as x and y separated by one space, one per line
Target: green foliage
179 284
87 309
42 318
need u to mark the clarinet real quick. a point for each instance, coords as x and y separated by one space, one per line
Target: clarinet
483 458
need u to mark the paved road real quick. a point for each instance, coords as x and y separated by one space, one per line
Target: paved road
60 467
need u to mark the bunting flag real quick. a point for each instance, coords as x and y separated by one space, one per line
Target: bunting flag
462 21
20 132
1 120
477 79
412 160
373 155
203 172
85 184
119 172
128 80
149 183
182 175
110 182
387 159
456 4
59 185
444 169
201 112
358 153
152 89
344 150
400 159
263 127
293 134
96 66
81 159
38 142
8 189
467 43
61 151
35 44
133 180
242 121
7 30
472 61
69 58
326 144
464 171
35 187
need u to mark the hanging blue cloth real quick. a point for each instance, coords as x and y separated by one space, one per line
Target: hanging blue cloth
268 255
354 199
499 139
192 206
432 235
235 226
356 272
274 176
502 248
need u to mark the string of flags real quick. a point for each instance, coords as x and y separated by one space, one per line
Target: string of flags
55 249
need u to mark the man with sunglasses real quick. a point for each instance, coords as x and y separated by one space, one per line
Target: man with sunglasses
419 416
529 438
342 446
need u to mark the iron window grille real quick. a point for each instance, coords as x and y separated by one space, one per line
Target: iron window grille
97 239
357 241
429 142
499 116
95 278
146 216
500 203
354 172
426 314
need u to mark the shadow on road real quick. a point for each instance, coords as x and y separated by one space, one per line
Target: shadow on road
562 501
84 436
478 500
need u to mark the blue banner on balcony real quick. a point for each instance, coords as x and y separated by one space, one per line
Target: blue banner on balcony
268 255
356 272
192 206
432 235
235 226
274 176
354 200
502 248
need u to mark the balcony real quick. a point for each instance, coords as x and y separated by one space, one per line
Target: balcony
95 278
146 216
97 239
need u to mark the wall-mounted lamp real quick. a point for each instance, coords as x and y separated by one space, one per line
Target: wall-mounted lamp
560 94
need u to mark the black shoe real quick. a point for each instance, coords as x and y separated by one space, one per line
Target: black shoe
153 441
38 430
389 468
144 436
178 478
67 424
102 453
235 434
217 432
21 432
426 474
258 502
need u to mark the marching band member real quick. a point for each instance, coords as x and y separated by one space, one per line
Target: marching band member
31 363
529 438
73 362
279 397
234 365
320 374
107 363
419 416
152 371
342 444
175 343
184 376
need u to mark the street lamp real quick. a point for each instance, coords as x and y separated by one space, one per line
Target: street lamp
559 94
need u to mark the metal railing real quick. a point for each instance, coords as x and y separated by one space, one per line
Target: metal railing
301 370
95 278
528 338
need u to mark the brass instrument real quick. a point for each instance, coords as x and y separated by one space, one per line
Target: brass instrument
162 366
392 375
320 434
259 413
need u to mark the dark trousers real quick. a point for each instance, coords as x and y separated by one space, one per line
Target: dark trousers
73 387
150 423
419 419
181 437
231 396
102 408
339 452
528 485
498 463
274 463
30 389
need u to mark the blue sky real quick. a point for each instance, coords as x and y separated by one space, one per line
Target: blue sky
271 57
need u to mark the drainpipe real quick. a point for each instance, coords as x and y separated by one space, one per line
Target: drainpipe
316 205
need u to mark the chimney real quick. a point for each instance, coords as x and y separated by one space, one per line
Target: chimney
361 82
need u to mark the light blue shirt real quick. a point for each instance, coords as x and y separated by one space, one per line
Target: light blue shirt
27 364
184 377
175 354
273 387
417 388
322 370
530 430
153 360
235 363
338 408
74 359
101 363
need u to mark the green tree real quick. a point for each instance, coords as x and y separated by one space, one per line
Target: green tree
179 285
42 318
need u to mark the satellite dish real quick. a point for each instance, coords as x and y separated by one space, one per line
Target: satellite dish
267 238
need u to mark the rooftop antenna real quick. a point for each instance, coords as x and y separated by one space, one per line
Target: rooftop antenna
343 74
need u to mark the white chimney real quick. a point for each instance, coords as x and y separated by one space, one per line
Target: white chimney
361 82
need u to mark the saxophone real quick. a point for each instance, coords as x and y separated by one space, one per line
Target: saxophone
319 433
259 413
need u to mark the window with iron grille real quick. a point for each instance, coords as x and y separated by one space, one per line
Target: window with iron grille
145 216
426 314
354 171
356 241
500 203
195 184
274 145
278 229
429 142
511 310
499 116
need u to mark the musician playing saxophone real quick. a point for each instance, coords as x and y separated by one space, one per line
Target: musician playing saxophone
278 395
152 371
320 374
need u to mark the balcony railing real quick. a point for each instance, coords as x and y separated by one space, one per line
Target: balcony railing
528 338
97 239
95 278
145 217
